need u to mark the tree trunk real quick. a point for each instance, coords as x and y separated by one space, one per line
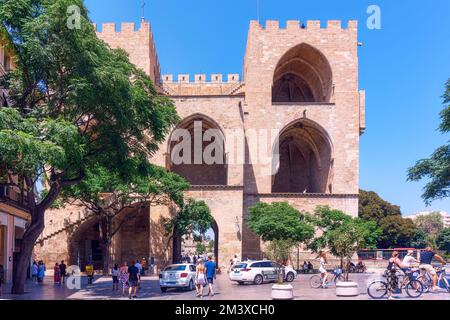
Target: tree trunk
26 250
176 256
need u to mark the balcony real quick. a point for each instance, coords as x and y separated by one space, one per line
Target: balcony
12 201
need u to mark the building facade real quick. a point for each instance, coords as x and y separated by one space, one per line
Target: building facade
14 214
299 86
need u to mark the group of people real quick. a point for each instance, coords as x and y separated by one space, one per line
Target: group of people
205 276
307 267
424 262
128 276
38 272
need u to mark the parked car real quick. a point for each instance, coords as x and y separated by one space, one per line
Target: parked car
258 272
178 276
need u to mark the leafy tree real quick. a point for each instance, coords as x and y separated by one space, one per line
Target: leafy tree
342 234
211 246
436 168
115 199
75 104
396 230
194 217
419 240
282 226
200 248
443 240
431 223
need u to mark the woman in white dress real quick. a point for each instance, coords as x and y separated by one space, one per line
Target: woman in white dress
200 278
322 268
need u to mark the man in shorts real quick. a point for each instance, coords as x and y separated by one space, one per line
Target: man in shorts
426 257
210 274
133 272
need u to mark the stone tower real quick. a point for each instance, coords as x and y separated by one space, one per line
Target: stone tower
300 82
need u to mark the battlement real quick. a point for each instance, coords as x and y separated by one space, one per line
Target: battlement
125 28
200 79
309 25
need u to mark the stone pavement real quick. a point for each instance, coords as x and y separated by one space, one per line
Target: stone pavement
225 289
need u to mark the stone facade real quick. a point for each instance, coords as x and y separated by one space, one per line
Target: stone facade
300 82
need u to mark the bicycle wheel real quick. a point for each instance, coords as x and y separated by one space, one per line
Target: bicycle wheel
315 281
445 284
414 288
340 278
427 283
377 289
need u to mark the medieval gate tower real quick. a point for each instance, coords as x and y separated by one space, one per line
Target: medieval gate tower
301 81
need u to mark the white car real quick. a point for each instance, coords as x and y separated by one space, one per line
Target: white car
260 271
178 276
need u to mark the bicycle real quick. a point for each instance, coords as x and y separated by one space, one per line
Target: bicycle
380 288
316 280
428 280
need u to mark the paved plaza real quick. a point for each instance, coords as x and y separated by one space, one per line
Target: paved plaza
225 290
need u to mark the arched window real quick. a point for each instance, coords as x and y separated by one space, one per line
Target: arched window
304 159
206 166
303 74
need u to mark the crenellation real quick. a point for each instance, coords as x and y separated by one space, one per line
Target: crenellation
216 78
293 24
167 78
272 25
233 77
200 78
183 78
109 27
313 24
334 24
128 27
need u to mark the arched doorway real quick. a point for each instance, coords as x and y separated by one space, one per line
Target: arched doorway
199 244
303 74
196 151
305 162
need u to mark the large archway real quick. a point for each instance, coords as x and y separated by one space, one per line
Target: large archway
303 74
305 159
202 163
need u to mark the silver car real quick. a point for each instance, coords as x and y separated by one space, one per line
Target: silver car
178 276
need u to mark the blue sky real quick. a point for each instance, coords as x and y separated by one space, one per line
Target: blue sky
403 68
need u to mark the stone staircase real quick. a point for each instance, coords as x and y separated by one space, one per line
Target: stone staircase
67 223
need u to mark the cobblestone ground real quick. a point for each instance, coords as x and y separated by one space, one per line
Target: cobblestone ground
225 290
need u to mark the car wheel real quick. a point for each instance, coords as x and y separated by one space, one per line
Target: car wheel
191 286
290 277
258 279
163 289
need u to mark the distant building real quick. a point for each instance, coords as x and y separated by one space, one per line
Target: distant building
445 216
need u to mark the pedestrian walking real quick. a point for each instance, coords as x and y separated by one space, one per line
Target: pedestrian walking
139 267
210 267
56 274
41 271
34 272
63 272
200 278
123 277
90 272
133 274
115 277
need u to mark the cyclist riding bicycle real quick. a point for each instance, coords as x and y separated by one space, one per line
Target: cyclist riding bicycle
426 257
394 264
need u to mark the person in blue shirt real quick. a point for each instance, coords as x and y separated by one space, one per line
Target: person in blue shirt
210 266
426 257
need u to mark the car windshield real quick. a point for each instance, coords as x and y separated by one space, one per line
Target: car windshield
240 266
175 268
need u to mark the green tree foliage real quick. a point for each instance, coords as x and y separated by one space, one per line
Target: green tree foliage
75 104
396 231
282 227
420 240
342 234
193 217
431 223
436 169
443 240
